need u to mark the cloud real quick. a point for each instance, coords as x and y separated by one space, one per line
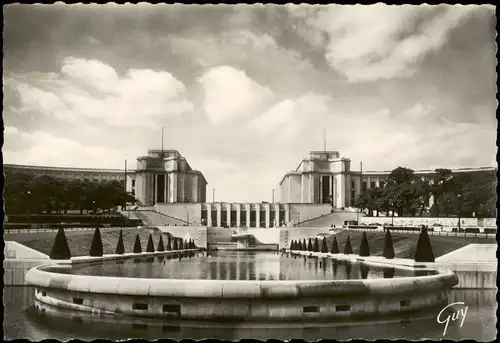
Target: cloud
41 148
89 91
367 43
230 93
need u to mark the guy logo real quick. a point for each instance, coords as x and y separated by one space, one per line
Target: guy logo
453 317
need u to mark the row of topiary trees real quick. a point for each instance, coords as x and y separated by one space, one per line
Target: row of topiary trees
60 248
423 252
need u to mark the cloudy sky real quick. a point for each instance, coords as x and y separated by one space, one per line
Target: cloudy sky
245 92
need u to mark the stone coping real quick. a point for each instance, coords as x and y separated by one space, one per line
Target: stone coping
404 263
196 288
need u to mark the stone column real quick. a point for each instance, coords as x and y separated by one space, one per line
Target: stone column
247 210
368 183
377 184
330 190
219 214
165 191
228 214
209 214
174 187
238 215
268 214
257 215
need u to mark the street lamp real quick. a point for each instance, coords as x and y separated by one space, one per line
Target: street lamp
392 214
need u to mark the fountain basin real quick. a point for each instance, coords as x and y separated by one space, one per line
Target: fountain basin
240 300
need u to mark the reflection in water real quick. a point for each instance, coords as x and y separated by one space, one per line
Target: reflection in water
348 268
22 321
242 266
389 272
365 269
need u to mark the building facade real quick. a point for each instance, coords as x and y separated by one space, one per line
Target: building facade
323 177
163 176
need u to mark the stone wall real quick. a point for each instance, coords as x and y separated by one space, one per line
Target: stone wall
429 221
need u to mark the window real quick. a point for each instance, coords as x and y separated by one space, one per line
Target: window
353 184
173 309
373 184
404 303
310 309
133 183
342 308
139 306
382 184
78 301
365 185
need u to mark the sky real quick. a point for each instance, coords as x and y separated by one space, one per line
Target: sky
245 92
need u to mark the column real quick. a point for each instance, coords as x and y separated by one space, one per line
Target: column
287 213
332 200
228 214
238 215
174 187
247 210
268 214
368 182
320 189
219 214
377 182
166 188
257 215
209 214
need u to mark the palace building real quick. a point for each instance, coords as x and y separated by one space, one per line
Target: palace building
164 182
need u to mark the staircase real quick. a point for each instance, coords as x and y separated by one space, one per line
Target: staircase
151 217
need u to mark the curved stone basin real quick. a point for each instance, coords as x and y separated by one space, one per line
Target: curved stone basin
240 300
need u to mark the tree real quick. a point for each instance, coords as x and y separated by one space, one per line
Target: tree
120 248
388 246
440 185
309 245
423 252
316 245
160 247
324 247
175 247
150 247
292 245
335 246
169 245
96 245
137 245
364 248
348 247
304 245
60 248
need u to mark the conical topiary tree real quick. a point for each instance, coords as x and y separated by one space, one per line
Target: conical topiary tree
175 247
120 247
388 246
348 247
299 245
335 246
150 247
169 244
316 245
309 245
292 245
96 245
304 245
160 247
324 247
137 245
186 245
180 244
364 248
423 252
60 248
